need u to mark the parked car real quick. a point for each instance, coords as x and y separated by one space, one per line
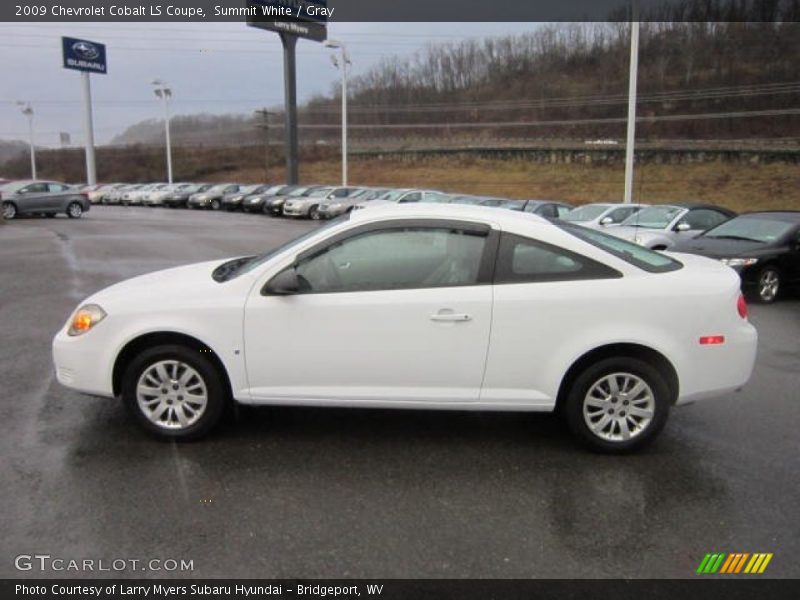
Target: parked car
308 206
179 198
96 196
132 197
256 202
547 208
233 201
212 197
29 197
599 215
763 247
662 226
273 205
156 197
115 196
469 298
338 206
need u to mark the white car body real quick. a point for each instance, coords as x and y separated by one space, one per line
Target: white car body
387 349
156 197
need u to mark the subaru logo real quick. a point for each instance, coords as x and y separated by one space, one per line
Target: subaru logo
85 50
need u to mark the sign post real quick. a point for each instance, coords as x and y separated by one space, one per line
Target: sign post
86 57
291 19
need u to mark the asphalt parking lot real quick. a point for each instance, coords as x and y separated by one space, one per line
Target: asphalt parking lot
300 492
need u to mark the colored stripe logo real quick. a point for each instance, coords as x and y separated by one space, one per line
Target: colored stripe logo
735 563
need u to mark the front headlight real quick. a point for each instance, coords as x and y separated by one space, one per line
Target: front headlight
86 317
738 262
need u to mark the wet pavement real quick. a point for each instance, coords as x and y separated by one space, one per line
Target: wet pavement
307 492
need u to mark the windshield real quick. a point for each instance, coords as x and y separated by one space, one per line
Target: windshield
218 187
238 266
756 229
638 256
301 191
653 217
393 195
587 212
248 189
320 192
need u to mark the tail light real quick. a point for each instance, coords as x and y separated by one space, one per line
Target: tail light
741 306
85 195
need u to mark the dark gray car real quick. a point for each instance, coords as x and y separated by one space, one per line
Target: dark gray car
49 198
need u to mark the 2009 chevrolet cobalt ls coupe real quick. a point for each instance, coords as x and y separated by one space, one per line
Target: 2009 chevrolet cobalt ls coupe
421 306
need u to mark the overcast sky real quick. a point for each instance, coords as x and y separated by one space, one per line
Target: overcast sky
212 67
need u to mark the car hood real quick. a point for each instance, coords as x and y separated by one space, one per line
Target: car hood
159 288
721 248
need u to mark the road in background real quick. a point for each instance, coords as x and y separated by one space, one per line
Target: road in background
307 492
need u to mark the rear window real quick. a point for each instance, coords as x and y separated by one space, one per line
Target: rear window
638 256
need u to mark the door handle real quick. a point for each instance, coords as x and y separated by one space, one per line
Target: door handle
451 317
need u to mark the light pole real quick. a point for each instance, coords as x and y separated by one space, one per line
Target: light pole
27 110
632 76
164 93
344 66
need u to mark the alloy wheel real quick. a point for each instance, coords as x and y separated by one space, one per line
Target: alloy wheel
171 394
619 407
768 285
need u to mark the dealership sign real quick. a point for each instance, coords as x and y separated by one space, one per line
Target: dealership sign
83 55
302 18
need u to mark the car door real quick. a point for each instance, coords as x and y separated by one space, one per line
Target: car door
33 197
54 199
397 312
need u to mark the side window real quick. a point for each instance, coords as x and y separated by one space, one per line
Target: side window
547 210
703 218
412 197
531 207
57 187
620 214
395 259
562 210
34 188
522 260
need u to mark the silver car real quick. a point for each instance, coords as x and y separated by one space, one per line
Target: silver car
338 206
308 206
599 215
28 197
212 197
661 227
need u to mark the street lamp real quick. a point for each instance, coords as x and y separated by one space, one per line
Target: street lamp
27 110
344 67
164 93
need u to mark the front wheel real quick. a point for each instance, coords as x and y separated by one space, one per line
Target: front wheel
314 213
618 405
74 210
174 392
215 204
769 285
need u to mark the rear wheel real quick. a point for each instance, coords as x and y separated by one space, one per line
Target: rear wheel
74 210
618 404
9 210
769 285
174 392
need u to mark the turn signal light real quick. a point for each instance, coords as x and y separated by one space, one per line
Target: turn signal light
85 318
712 340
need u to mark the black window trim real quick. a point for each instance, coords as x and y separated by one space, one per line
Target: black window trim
485 270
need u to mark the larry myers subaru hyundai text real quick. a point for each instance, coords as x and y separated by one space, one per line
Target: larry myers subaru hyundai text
421 306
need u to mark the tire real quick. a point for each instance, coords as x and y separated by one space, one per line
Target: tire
659 248
768 285
50 215
215 204
203 380
313 213
9 211
74 210
590 400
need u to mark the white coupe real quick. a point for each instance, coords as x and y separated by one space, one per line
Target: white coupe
421 306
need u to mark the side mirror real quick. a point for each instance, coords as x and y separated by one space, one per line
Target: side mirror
683 227
606 221
284 283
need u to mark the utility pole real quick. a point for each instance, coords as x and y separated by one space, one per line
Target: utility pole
264 115
88 126
27 110
289 42
632 76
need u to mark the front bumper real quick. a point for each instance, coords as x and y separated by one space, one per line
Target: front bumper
327 212
296 211
85 367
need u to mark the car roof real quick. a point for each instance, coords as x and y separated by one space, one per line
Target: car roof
693 205
445 211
